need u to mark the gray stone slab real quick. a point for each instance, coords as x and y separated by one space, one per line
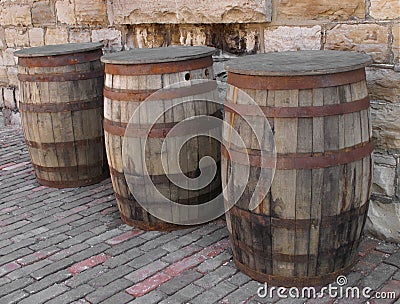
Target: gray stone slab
58 49
298 63
158 55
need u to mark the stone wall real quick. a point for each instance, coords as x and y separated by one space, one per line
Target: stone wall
235 27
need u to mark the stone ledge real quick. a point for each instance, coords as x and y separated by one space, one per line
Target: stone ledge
190 11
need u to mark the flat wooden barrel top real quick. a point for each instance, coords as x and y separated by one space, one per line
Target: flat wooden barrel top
298 63
158 55
59 49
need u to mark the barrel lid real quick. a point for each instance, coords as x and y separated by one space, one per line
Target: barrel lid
58 49
291 63
158 55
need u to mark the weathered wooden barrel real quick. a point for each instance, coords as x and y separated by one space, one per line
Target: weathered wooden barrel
307 229
61 89
131 78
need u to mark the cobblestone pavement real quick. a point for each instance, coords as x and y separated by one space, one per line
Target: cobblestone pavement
70 246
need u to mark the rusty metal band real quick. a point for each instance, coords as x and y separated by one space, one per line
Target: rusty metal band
278 280
60 60
127 95
159 130
114 127
156 179
202 198
118 129
66 144
302 224
340 252
73 184
69 169
299 112
153 226
62 107
161 94
70 76
158 68
298 161
256 82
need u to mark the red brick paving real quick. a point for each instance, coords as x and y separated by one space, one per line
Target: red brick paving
88 263
124 237
148 284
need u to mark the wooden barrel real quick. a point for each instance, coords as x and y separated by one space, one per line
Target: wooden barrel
61 89
307 229
131 78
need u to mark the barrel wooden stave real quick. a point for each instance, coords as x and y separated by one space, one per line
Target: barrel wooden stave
119 112
268 243
66 145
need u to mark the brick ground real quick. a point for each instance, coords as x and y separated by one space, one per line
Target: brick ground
70 246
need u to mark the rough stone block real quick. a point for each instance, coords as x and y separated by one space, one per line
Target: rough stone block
383 221
110 37
43 13
319 10
9 100
56 36
36 36
17 37
2 38
7 116
1 98
190 11
292 38
91 12
65 11
386 125
398 178
382 159
384 180
3 75
8 57
367 38
383 84
12 74
396 42
9 34
384 9
15 14
79 35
